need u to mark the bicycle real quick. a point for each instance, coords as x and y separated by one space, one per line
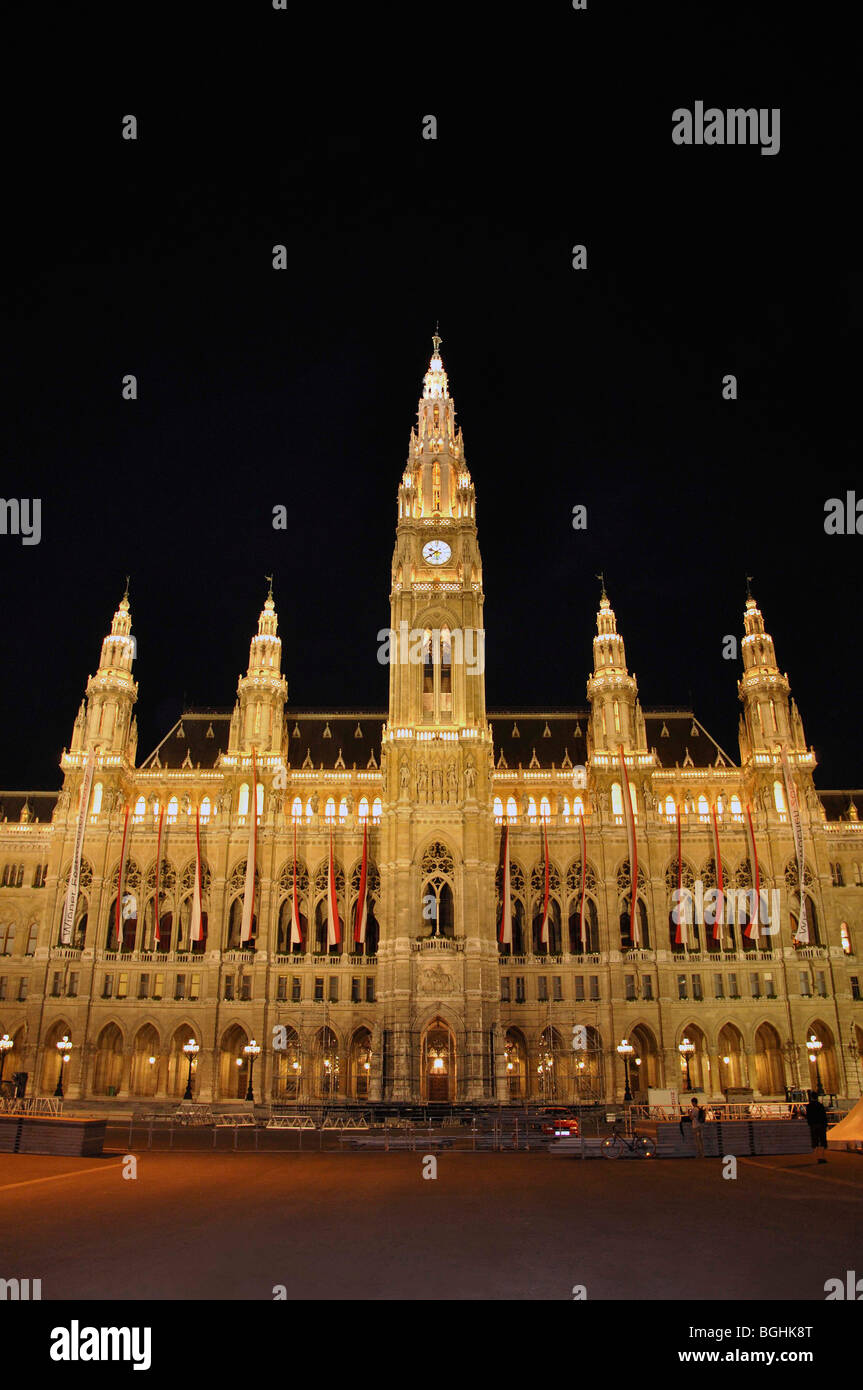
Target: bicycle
619 1145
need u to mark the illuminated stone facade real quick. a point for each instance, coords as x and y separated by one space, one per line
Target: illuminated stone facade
432 1007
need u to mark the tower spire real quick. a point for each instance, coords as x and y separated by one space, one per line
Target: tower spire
112 692
262 692
612 691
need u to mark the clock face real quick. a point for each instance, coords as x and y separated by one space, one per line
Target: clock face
436 552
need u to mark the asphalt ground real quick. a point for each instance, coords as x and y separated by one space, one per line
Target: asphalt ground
234 1225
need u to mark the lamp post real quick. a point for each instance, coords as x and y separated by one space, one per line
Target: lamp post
625 1050
686 1049
252 1050
6 1044
64 1047
191 1049
815 1045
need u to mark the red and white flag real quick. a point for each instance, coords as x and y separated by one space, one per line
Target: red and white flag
720 886
801 936
543 930
251 858
196 925
296 930
334 926
158 936
504 934
118 926
683 908
751 928
583 882
362 911
629 817
71 901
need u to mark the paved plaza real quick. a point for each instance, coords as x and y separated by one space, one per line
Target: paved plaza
226 1225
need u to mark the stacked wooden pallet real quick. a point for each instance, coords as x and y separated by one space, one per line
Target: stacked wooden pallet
734 1137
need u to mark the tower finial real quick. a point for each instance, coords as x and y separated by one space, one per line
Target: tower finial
749 579
436 338
269 579
601 578
126 594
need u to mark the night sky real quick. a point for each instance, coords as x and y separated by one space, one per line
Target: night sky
600 387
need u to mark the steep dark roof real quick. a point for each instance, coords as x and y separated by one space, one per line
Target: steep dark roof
675 734
41 805
837 804
315 739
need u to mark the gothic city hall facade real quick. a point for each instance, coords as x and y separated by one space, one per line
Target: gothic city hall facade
434 902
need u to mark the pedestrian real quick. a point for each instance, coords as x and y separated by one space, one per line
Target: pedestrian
699 1119
816 1118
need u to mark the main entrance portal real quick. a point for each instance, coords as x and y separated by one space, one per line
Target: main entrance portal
438 1063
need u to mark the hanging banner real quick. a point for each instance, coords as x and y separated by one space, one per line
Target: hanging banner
683 909
801 936
196 925
158 936
719 908
751 929
543 930
362 902
504 935
583 882
251 857
71 902
629 818
334 926
119 919
296 930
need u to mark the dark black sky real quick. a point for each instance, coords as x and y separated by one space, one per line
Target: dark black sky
259 387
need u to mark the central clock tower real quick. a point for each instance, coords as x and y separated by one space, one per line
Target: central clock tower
437 957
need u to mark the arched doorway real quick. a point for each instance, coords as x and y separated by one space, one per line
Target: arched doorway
552 1069
146 1062
694 1064
644 1063
178 1062
233 1065
51 1064
769 1062
14 1059
108 1062
515 1050
823 1069
325 1064
438 1067
587 1068
288 1067
732 1060
360 1064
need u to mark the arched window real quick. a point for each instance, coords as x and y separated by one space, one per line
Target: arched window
545 809
205 811
436 899
172 811
703 808
616 799
243 803
140 808
363 811
259 797
566 809
845 937
445 672
343 810
296 809
7 940
578 807
779 797
511 809
310 810
531 809
376 809
331 810
670 808
736 808
498 808
32 938
97 800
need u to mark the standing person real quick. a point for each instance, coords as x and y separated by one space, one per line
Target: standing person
816 1118
698 1121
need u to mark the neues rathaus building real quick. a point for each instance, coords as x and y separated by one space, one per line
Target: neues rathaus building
452 802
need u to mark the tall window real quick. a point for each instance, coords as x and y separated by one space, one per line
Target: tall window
172 811
97 800
616 799
243 803
779 796
205 810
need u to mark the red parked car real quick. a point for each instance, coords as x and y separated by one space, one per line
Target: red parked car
559 1122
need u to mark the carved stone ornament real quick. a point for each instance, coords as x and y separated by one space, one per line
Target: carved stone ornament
435 980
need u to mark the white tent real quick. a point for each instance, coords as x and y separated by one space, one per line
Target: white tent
849 1130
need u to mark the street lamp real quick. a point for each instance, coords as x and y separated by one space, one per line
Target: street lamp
191 1049
64 1047
252 1050
686 1048
815 1045
6 1044
625 1049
